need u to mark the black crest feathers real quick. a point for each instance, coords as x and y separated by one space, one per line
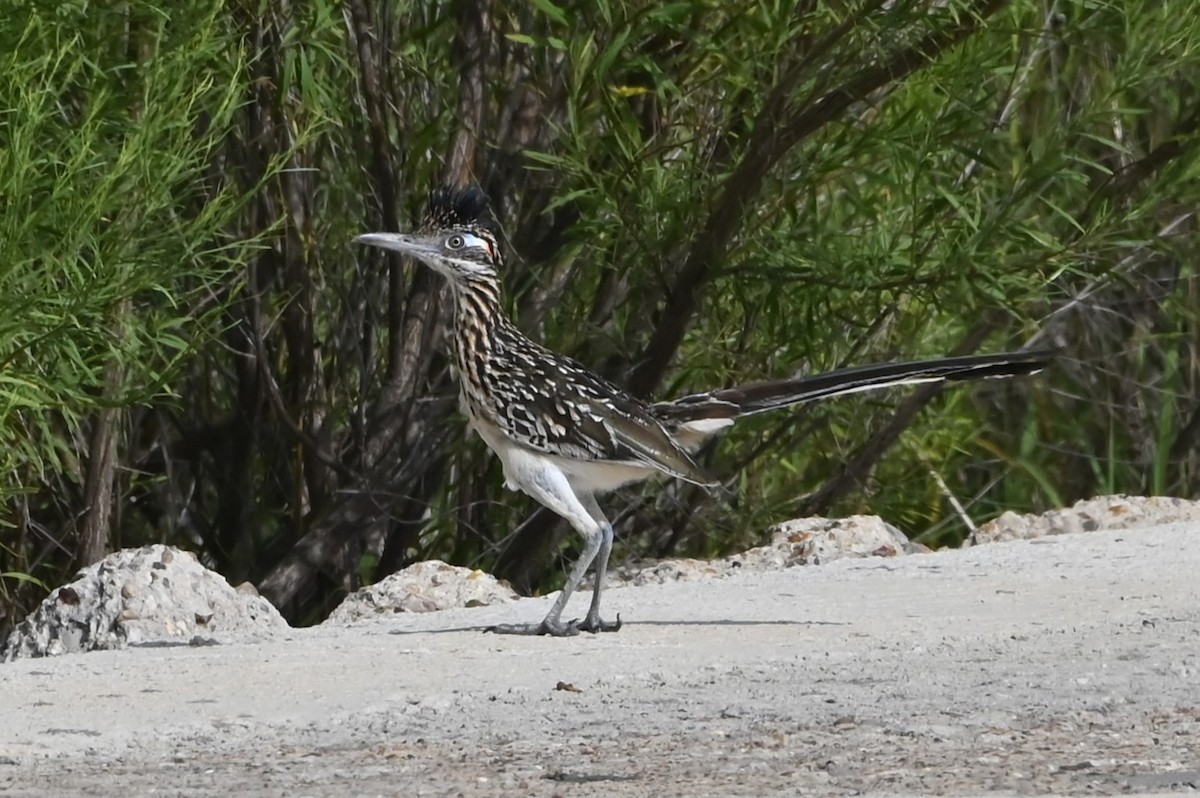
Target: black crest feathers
455 207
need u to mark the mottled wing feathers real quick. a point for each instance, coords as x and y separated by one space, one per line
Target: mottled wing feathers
550 403
645 439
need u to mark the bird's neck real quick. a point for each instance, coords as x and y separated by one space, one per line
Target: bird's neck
478 317
477 305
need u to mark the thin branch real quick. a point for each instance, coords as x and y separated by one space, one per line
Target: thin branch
1044 42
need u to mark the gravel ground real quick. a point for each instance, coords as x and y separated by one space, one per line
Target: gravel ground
1068 664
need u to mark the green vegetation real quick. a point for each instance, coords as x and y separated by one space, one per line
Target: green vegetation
693 193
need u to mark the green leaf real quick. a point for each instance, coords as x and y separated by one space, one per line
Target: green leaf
549 9
23 577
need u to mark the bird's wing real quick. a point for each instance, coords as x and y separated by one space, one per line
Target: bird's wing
562 408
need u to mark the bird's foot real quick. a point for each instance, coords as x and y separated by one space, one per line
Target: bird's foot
553 627
594 625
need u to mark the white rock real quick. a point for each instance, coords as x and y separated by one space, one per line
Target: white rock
154 595
812 541
422 587
802 541
1098 513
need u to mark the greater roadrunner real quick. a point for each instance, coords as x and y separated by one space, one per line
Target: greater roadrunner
565 434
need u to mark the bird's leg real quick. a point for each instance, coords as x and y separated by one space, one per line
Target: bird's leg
550 486
592 622
553 624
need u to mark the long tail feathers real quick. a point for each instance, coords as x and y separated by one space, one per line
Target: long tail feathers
716 409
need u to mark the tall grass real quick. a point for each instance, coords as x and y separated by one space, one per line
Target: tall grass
121 242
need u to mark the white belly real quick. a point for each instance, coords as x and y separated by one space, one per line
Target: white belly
585 476
590 476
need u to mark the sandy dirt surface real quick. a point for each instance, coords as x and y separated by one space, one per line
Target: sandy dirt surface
1069 664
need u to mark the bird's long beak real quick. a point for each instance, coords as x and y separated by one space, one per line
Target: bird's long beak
398 242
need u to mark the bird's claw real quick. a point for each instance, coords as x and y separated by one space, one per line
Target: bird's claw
595 625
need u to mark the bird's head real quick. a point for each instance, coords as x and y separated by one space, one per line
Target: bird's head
453 238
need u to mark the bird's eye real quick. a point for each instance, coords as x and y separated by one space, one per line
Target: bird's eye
455 242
